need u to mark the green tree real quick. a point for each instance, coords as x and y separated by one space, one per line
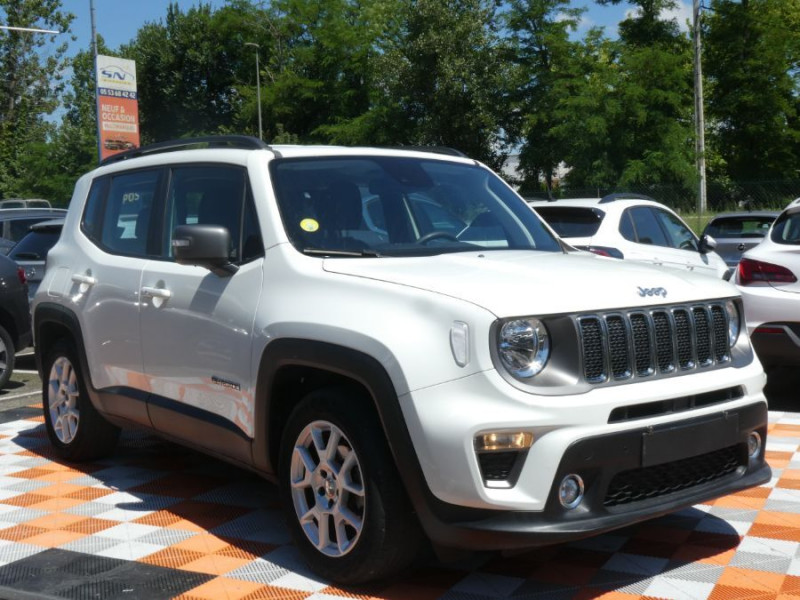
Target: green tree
627 115
751 65
71 150
319 68
440 78
189 70
544 58
31 64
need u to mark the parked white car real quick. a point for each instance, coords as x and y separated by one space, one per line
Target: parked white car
767 277
447 366
633 227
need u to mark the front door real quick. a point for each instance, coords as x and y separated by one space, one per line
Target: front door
197 326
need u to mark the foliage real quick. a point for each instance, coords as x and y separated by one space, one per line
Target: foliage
485 76
752 55
31 64
188 70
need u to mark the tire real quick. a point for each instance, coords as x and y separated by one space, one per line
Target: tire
348 512
77 431
7 359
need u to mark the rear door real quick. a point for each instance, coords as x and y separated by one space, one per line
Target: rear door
105 278
649 243
197 326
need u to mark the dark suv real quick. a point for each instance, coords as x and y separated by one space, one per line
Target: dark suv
15 320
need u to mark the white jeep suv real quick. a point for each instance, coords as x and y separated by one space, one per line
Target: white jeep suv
398 340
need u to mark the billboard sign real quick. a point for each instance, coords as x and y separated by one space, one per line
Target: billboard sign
117 105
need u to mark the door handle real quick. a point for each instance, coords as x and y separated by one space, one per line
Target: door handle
158 295
151 292
84 281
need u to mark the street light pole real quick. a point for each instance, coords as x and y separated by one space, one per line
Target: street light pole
258 89
700 124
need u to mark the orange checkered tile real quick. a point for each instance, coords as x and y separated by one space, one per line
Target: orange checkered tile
158 521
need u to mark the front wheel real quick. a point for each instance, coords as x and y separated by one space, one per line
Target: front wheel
75 428
347 510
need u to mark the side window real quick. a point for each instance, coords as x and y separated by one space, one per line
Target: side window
626 228
215 195
119 220
679 235
648 231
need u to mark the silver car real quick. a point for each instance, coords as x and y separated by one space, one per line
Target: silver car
737 232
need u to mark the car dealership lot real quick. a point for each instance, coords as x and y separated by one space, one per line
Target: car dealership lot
158 521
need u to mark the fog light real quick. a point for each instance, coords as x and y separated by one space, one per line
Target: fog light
500 440
753 444
570 492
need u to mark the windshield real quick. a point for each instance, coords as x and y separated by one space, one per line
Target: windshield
397 206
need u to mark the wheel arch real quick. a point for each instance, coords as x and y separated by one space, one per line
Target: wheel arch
291 368
8 323
52 322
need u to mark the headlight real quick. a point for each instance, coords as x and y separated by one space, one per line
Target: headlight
524 347
733 322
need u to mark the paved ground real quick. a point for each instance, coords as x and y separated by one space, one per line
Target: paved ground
158 521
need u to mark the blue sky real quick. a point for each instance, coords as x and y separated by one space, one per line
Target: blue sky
119 20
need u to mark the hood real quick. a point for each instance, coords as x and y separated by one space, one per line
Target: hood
510 283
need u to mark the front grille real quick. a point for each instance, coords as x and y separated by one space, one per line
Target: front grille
662 341
651 482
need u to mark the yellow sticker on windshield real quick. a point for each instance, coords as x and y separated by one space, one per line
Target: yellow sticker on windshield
309 225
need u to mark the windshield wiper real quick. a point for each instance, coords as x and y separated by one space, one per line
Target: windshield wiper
366 252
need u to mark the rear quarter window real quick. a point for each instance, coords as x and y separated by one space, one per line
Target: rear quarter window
787 229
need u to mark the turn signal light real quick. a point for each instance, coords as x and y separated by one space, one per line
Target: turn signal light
503 441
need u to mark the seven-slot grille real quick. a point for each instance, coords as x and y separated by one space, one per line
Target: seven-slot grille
665 340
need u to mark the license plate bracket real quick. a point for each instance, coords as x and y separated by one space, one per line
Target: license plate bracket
683 440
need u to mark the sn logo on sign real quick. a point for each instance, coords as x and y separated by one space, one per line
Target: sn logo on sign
116 73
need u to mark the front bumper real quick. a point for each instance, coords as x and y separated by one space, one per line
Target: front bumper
630 476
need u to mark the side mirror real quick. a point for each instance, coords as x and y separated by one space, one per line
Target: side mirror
707 244
204 246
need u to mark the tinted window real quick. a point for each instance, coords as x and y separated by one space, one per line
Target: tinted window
648 231
358 206
119 220
678 233
787 229
626 228
570 221
739 227
35 245
214 195
19 227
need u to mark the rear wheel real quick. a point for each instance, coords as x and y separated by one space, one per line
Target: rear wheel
76 429
347 510
7 351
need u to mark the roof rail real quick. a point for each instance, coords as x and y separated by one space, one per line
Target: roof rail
624 195
436 149
245 142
